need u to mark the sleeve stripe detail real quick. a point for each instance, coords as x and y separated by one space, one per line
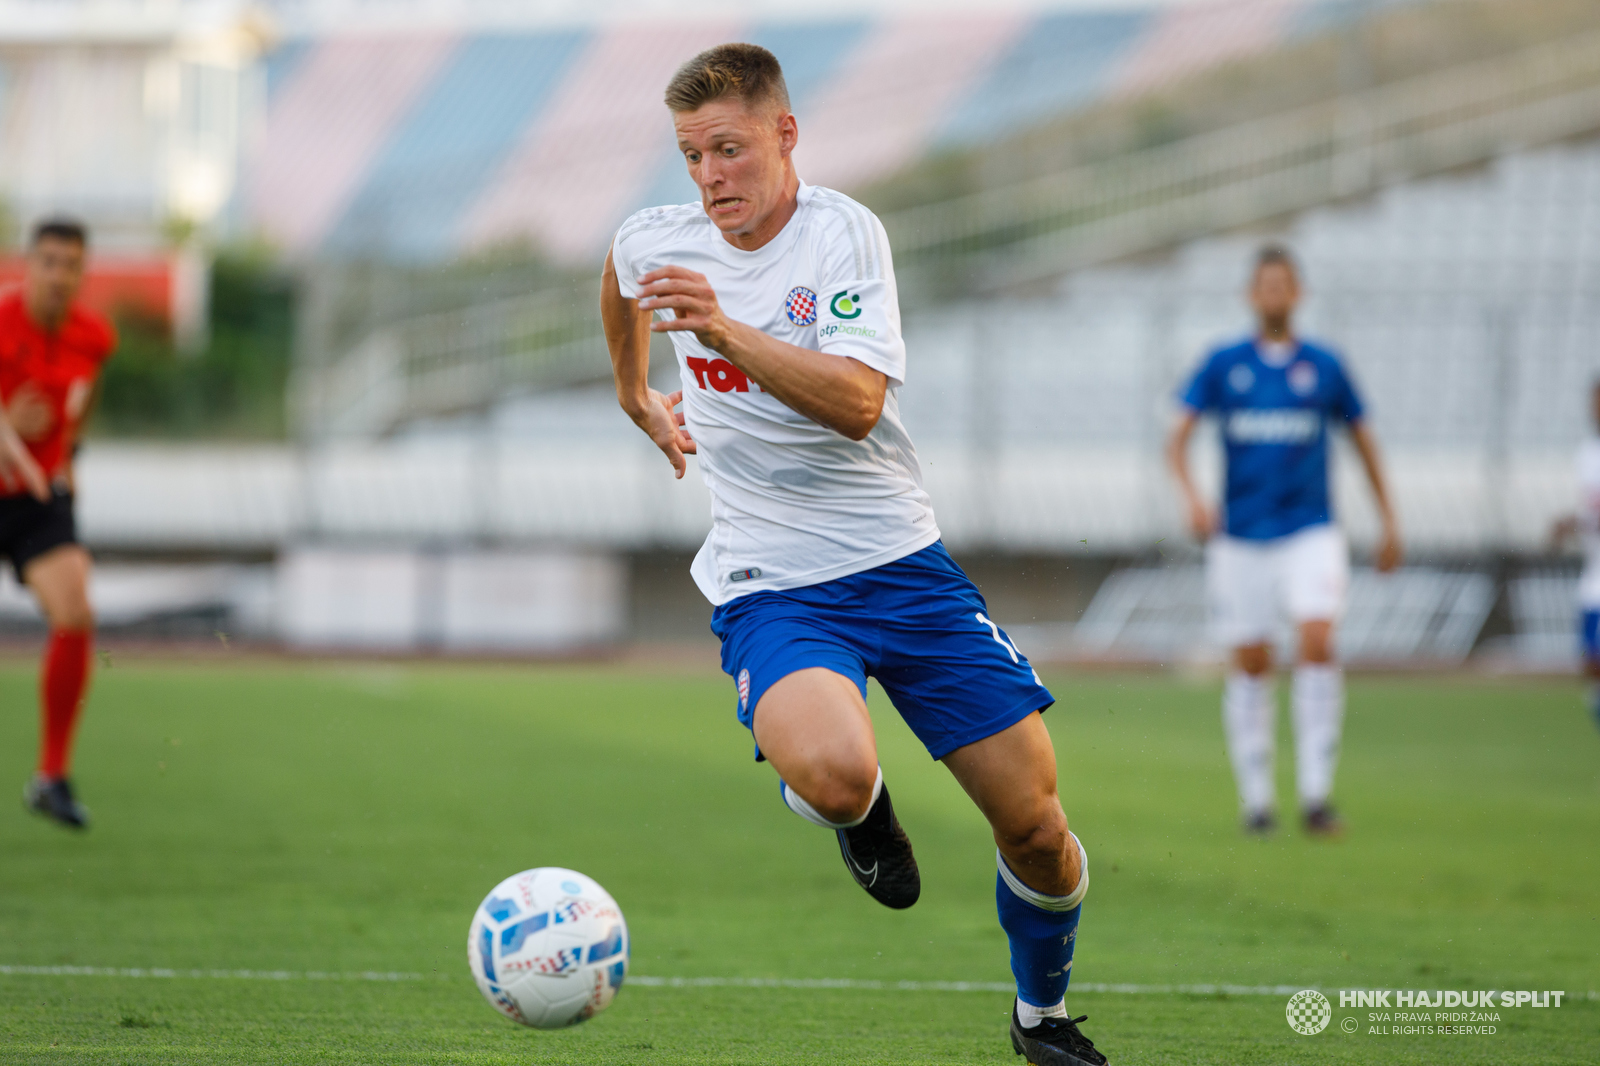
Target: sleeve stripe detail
862 229
663 217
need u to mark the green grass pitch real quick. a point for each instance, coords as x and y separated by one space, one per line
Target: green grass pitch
345 818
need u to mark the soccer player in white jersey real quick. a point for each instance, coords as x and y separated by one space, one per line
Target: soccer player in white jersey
1277 548
824 562
1586 525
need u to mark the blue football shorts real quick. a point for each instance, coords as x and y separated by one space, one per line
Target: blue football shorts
918 625
1589 622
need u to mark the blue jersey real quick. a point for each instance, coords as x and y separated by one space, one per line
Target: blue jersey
1274 433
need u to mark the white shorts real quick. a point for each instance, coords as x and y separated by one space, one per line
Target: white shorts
1251 583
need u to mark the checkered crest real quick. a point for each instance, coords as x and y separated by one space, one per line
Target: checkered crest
801 306
1309 1012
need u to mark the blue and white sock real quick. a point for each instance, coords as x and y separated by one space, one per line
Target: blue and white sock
1043 930
798 805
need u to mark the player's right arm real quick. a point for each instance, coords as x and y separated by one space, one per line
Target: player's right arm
18 470
1202 522
628 337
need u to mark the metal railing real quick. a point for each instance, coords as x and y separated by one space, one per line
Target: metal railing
1251 172
443 362
446 362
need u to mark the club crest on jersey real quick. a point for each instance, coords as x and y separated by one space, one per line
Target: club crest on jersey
1241 378
1303 378
801 306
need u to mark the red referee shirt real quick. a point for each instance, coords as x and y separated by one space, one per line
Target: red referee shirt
62 366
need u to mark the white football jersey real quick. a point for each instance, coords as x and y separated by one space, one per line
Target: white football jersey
793 503
1589 522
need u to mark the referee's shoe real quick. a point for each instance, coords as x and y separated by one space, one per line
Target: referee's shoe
52 797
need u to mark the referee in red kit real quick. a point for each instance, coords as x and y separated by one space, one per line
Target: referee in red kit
51 350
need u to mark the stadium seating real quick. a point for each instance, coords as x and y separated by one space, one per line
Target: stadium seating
1418 615
425 144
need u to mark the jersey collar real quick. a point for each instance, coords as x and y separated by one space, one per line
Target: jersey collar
1259 348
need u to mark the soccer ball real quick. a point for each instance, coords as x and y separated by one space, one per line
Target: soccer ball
548 947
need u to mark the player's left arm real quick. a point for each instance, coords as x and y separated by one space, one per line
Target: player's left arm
1389 549
70 463
833 390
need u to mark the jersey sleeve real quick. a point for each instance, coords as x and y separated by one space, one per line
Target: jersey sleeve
106 342
1344 401
622 265
858 313
1201 393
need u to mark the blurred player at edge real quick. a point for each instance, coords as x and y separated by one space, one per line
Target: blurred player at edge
1586 525
824 562
51 350
1277 547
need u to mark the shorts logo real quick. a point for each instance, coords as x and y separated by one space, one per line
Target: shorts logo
745 575
744 690
845 304
801 306
1303 378
1240 378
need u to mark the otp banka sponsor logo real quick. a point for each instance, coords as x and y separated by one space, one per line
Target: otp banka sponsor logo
1274 425
845 305
720 375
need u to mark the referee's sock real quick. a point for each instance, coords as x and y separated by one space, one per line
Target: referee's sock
1043 930
64 675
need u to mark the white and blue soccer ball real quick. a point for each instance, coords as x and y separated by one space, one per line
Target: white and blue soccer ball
549 948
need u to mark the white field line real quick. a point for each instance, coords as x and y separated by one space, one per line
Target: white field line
644 981
953 986
219 975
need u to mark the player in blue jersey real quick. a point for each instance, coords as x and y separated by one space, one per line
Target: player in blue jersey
1276 547
1585 525
824 562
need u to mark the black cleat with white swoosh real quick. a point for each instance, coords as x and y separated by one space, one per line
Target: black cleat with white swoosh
1055 1042
878 853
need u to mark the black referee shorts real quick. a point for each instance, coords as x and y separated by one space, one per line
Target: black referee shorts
29 527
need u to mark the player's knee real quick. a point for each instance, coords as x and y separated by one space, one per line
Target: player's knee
1254 659
844 793
1039 838
1316 642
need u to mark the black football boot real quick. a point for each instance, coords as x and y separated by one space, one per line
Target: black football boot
878 853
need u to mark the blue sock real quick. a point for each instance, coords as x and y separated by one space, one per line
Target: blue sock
1043 930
